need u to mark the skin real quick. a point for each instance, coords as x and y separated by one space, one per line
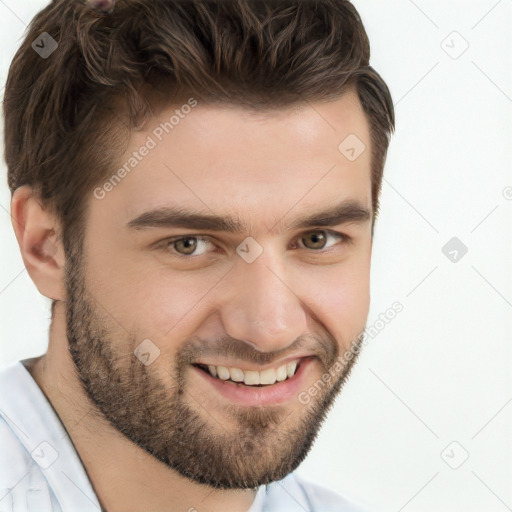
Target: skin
127 285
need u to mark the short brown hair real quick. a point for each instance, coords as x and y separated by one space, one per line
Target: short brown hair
65 115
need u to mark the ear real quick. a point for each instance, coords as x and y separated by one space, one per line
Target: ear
39 237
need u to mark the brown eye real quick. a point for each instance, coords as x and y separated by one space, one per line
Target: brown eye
188 247
314 240
185 245
318 240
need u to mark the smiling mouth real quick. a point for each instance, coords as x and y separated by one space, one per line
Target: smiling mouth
252 378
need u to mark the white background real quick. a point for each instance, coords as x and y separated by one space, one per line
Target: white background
440 371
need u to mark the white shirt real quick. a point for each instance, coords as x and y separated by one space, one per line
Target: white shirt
40 470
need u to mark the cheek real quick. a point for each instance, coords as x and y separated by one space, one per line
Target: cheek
160 302
342 301
137 298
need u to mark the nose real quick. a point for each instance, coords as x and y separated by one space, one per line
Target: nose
262 307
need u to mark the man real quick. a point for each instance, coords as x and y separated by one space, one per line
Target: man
194 185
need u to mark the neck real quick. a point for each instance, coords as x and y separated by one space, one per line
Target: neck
125 477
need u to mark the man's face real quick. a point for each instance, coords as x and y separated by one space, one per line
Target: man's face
185 297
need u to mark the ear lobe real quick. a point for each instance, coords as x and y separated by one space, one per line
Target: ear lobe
40 246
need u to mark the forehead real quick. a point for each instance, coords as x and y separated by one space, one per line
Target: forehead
217 158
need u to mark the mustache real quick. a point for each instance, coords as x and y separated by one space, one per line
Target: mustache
325 348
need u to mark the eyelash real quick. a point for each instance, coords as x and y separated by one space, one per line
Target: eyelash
345 240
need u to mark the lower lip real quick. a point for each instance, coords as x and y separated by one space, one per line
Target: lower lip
269 395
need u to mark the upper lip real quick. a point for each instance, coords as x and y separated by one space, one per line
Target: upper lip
251 367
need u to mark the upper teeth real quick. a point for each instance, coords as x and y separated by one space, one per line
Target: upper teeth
253 377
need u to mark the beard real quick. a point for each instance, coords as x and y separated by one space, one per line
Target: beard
155 409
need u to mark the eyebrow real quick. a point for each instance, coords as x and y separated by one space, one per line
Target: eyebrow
348 211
